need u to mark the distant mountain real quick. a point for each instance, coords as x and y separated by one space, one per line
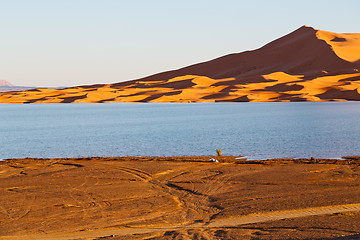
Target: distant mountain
5 83
305 65
5 86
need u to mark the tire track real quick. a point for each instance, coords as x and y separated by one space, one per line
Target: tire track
188 201
142 175
26 207
278 215
195 196
157 184
230 222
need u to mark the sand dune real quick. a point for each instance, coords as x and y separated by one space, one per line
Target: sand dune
344 45
305 65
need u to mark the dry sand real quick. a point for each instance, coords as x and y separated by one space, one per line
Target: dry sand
305 65
179 198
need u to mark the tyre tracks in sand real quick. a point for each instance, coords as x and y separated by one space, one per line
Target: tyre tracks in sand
189 202
215 223
188 197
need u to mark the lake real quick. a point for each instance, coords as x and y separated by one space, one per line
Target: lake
256 130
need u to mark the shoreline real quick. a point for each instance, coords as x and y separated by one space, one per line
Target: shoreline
223 159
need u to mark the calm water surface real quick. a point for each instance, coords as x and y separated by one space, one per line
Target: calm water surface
256 130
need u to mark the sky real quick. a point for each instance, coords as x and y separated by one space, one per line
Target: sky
55 43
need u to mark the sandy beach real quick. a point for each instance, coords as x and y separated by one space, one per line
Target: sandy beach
179 198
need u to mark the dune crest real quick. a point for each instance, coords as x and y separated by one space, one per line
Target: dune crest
345 45
304 65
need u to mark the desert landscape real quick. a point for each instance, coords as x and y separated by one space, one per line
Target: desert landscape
305 65
180 120
179 198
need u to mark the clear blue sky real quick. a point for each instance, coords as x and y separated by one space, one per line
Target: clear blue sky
76 42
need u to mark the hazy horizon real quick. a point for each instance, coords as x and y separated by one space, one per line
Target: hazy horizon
70 43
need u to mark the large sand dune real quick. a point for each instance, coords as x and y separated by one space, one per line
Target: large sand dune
305 65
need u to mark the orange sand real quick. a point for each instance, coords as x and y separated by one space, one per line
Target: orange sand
305 65
178 198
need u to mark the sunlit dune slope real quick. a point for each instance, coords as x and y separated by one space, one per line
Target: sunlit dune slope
305 65
345 46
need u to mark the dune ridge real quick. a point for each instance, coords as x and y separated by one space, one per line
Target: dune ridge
304 65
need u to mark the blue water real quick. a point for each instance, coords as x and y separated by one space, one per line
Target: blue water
256 130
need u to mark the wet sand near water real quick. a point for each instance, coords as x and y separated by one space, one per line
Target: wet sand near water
179 198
